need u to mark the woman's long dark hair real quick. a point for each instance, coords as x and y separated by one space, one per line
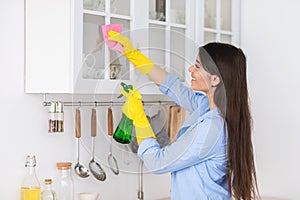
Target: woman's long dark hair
231 97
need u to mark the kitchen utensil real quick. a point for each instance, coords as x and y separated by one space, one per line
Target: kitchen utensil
80 170
111 159
95 167
140 185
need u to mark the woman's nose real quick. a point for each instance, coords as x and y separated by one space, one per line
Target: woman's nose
191 68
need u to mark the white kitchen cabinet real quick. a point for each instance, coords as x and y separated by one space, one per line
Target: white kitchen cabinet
62 55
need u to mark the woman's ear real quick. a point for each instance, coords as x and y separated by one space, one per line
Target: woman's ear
215 80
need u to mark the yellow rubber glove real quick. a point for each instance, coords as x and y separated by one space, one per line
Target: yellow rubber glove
139 60
134 110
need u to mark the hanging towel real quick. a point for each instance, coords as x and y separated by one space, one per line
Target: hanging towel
176 119
160 132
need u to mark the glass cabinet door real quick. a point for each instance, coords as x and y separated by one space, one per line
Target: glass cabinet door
226 15
120 7
167 34
93 51
209 37
119 66
97 5
210 14
157 44
157 10
177 52
174 10
218 20
98 61
177 11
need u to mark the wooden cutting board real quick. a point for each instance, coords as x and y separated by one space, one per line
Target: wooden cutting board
176 119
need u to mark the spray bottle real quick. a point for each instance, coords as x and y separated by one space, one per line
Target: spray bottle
123 132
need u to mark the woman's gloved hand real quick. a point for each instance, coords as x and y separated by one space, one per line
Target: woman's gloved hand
139 60
134 110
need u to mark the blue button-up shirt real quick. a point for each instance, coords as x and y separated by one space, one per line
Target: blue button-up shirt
197 159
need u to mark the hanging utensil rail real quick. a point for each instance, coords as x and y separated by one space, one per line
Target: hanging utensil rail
104 103
107 103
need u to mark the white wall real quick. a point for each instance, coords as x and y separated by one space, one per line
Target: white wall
270 38
23 123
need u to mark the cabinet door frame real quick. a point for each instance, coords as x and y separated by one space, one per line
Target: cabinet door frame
235 22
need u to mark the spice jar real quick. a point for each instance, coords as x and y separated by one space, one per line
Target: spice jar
60 116
52 117
56 117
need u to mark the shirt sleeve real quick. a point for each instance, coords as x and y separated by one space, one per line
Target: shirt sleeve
182 95
193 147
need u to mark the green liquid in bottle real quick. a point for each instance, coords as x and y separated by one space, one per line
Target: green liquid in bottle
124 130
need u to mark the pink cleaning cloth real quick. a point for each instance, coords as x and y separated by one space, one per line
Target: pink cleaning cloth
113 45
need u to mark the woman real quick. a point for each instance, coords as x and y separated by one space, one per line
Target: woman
212 157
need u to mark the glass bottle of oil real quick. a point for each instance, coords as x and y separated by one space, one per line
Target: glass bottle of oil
30 189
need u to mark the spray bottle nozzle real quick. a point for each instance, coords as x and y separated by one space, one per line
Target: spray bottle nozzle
126 88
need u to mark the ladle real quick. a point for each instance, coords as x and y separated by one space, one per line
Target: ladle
95 167
80 170
111 159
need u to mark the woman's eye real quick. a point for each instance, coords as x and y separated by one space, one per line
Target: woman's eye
197 66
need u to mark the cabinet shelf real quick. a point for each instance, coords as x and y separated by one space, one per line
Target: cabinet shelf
217 31
156 22
93 12
104 14
121 16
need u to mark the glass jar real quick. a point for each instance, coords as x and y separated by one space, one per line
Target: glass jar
52 118
48 193
56 117
60 116
65 186
30 189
